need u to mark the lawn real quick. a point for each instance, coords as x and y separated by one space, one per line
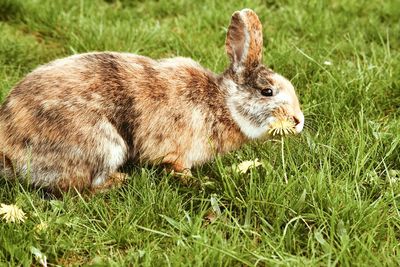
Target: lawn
341 204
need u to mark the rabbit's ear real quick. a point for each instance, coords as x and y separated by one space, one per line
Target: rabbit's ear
244 40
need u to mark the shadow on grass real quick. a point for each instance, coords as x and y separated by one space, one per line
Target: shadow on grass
10 10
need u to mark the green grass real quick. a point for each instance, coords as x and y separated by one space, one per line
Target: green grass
341 204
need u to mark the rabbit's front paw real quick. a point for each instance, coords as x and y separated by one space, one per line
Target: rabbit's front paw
114 180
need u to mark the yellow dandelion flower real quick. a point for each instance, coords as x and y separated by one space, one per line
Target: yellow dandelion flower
248 164
12 213
282 127
41 227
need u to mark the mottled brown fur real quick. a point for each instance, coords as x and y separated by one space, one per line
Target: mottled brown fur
73 122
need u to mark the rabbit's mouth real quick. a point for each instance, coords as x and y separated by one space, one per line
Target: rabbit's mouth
286 122
282 126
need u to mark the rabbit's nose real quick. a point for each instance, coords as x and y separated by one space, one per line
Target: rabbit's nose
296 120
299 122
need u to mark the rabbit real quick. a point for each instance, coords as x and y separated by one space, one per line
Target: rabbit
72 123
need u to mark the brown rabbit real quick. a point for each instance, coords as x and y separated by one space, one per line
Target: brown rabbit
75 121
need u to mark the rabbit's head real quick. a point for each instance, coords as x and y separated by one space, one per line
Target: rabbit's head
257 96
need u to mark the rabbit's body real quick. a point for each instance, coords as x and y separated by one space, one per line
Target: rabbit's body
75 121
78 119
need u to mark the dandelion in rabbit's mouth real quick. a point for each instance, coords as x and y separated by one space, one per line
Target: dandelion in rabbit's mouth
282 127
12 213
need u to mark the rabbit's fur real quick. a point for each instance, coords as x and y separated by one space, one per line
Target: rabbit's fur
75 121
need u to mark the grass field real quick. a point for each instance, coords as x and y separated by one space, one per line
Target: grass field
341 205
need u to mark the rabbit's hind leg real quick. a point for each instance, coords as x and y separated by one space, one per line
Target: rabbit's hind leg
77 182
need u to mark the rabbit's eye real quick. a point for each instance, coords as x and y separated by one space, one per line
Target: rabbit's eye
267 92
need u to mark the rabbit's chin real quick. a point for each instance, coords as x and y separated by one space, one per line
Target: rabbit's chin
248 128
